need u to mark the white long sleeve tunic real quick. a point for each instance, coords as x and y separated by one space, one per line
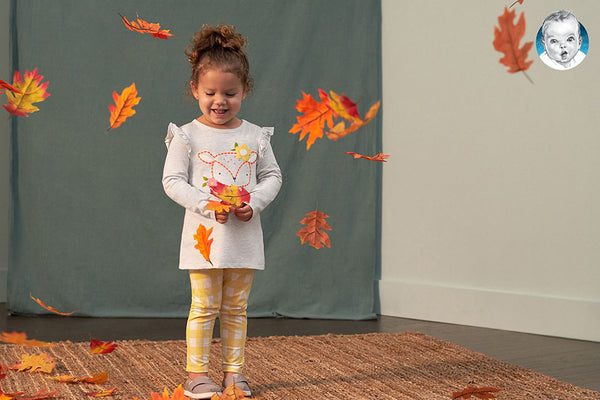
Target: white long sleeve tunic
197 157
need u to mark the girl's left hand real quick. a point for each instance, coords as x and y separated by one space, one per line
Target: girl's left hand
243 212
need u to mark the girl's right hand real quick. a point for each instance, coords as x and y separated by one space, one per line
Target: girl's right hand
221 217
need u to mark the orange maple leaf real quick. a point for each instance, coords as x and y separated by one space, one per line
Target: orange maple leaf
35 363
97 378
203 242
377 157
123 107
142 26
31 90
217 206
480 393
314 231
506 40
102 393
51 309
316 115
100 347
20 338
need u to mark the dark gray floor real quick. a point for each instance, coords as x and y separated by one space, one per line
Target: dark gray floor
573 361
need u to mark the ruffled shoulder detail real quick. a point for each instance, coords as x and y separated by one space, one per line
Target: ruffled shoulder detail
172 131
265 138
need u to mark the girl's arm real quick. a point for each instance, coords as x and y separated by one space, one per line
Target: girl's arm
268 177
176 179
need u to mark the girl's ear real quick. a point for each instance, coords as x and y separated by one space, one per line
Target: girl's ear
194 89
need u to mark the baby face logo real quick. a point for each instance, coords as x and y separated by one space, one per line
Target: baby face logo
231 167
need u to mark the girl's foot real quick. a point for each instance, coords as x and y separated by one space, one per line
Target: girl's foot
201 387
240 381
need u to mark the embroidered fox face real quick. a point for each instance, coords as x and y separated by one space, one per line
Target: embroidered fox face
231 167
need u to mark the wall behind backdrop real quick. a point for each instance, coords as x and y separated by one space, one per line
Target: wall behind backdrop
92 229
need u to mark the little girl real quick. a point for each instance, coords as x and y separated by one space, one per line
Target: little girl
223 171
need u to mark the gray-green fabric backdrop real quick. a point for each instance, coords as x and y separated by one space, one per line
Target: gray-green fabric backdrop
92 228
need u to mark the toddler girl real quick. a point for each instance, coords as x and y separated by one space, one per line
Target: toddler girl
223 171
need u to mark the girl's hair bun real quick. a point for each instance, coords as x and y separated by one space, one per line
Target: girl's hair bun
219 46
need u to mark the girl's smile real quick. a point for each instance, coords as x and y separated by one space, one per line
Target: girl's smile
219 96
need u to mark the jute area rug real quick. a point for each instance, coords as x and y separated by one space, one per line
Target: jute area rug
366 366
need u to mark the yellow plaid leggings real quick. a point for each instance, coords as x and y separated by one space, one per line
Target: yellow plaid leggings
223 293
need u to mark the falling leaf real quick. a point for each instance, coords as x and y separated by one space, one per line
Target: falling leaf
35 363
52 309
202 237
40 395
102 393
316 115
319 115
97 378
480 393
4 86
100 347
231 392
340 130
31 90
506 40
314 231
142 26
123 107
20 338
377 157
518 1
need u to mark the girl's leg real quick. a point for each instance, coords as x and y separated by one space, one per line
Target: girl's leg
206 302
236 288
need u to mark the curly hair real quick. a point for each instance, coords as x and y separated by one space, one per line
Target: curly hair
219 47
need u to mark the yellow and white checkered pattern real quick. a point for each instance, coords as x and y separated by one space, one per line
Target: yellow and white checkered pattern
223 293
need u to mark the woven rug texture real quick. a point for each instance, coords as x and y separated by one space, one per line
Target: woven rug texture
367 366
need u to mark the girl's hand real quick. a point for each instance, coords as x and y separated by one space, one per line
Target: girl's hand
243 212
221 217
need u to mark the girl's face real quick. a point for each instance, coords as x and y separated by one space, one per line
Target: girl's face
562 40
219 96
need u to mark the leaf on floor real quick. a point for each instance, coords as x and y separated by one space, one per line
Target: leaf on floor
35 363
101 393
100 347
40 395
481 393
20 338
97 378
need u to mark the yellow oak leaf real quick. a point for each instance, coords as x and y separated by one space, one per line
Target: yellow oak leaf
203 242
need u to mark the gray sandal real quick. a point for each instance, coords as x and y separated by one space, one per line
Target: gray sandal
240 381
201 388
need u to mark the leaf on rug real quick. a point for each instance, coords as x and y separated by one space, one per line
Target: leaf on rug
481 393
